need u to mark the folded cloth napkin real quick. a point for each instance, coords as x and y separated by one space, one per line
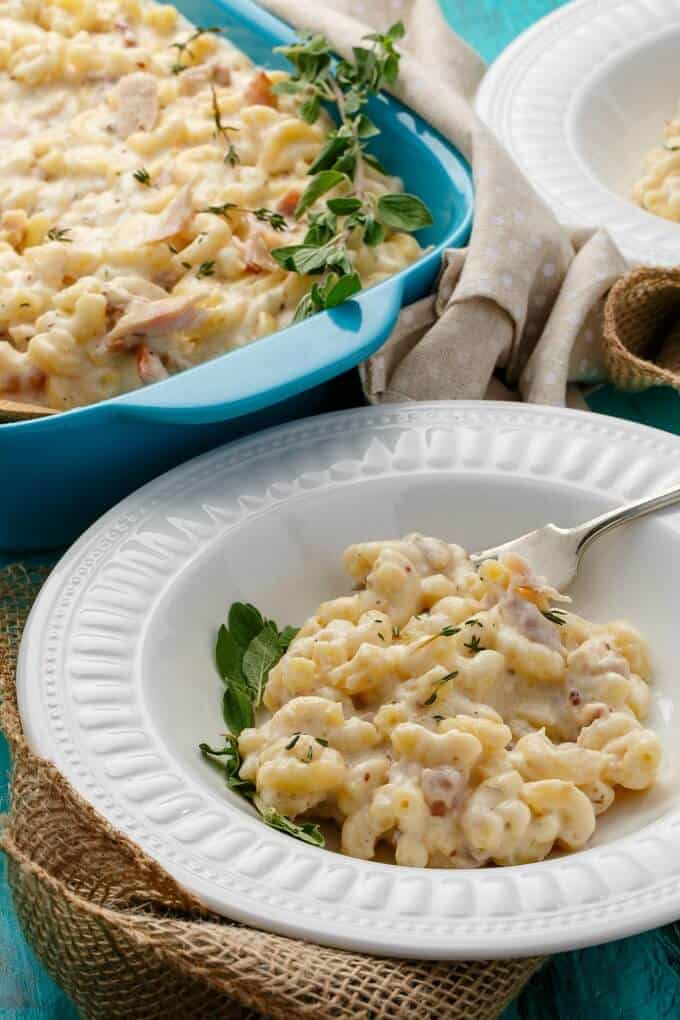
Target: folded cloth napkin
524 298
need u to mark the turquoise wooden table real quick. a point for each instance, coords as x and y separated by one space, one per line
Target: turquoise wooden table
635 979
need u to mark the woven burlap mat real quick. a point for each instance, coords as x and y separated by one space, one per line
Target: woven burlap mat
123 939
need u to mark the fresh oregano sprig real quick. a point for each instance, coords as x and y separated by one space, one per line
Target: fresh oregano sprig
246 650
346 85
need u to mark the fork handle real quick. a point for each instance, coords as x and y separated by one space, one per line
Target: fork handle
605 522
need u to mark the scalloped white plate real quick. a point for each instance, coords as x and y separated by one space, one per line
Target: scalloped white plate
579 99
117 684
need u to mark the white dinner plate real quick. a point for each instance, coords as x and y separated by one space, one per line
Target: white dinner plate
579 99
117 684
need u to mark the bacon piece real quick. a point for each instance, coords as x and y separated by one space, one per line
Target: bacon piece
174 218
259 91
153 318
256 253
287 204
149 366
137 103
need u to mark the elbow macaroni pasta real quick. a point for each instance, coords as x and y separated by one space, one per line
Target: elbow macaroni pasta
439 712
89 98
658 190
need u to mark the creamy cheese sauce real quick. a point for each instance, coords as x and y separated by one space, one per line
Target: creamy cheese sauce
441 712
111 274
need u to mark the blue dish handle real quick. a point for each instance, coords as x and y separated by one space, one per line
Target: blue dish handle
264 372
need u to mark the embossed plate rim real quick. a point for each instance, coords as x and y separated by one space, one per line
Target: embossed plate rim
303 891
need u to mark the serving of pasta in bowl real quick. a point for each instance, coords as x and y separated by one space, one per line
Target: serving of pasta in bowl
317 712
198 222
585 100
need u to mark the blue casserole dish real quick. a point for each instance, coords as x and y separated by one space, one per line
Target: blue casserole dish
59 473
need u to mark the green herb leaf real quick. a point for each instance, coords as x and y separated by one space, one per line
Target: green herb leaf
231 766
403 212
142 175
322 182
306 831
322 741
310 110
228 655
343 289
555 616
374 232
205 269
366 128
237 708
337 143
245 623
305 308
343 206
286 636
59 234
291 744
263 652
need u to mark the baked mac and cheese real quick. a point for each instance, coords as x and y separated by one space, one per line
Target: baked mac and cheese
658 190
123 133
449 712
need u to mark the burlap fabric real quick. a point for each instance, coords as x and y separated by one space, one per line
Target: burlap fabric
641 343
124 940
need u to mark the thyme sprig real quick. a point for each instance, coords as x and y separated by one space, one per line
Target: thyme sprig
59 234
143 176
222 130
555 616
275 219
342 162
183 48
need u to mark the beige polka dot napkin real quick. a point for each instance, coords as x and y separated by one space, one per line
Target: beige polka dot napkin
524 300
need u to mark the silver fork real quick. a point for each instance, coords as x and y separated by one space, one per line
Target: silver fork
555 553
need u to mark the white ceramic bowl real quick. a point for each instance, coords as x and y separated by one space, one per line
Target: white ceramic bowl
579 100
117 684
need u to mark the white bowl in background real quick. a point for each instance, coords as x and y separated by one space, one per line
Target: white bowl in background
117 684
579 100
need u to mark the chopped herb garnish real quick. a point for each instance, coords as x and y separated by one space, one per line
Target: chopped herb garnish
310 753
437 684
396 632
205 269
172 248
186 265
342 163
474 644
322 741
555 616
381 636
473 623
59 234
142 175
293 742
438 718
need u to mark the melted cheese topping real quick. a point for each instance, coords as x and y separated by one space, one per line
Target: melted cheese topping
440 711
111 279
658 190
